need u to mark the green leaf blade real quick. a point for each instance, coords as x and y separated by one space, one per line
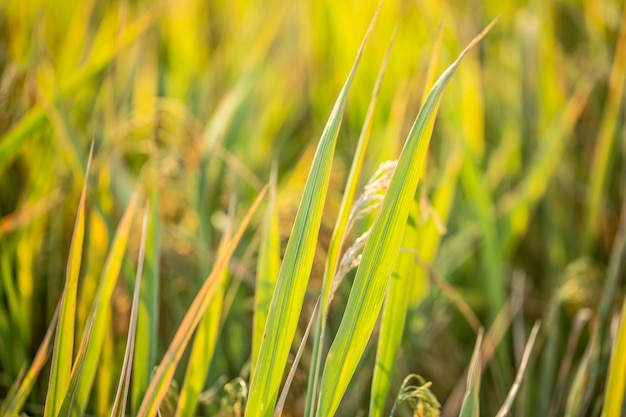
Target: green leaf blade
148 317
392 323
267 271
616 378
471 404
293 277
338 237
62 354
101 307
380 253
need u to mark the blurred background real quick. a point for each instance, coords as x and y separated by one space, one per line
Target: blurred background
197 99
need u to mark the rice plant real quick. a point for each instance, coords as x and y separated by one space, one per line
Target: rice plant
319 208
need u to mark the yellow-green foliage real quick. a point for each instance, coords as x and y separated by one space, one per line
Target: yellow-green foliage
158 275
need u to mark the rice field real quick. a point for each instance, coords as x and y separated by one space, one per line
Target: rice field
312 208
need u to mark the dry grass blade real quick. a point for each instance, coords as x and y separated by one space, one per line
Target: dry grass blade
508 403
62 354
146 342
471 404
21 389
157 390
119 406
280 404
28 213
494 336
380 252
453 295
206 335
575 399
580 320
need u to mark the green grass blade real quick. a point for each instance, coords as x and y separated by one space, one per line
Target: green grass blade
474 181
392 321
160 383
338 237
148 319
493 339
575 403
616 379
17 321
614 275
519 203
12 393
430 232
471 404
101 307
352 183
12 404
119 405
267 270
476 186
69 406
293 277
380 252
62 354
204 342
606 136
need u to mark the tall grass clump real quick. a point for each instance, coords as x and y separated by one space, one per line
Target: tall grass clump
312 208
